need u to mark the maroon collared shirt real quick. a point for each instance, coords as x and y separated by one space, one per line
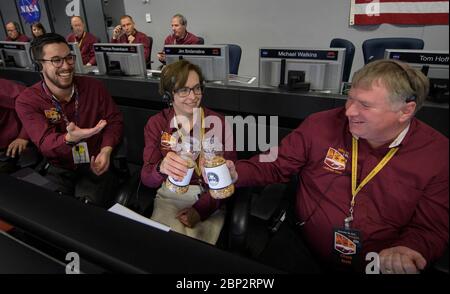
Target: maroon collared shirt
87 46
154 153
405 204
10 125
20 38
47 129
188 39
139 38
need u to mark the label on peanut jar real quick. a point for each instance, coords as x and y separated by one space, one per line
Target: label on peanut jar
218 177
185 181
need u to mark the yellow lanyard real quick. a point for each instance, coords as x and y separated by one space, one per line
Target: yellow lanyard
367 179
82 39
202 134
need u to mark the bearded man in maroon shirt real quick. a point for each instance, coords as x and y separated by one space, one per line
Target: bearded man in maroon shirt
373 179
73 121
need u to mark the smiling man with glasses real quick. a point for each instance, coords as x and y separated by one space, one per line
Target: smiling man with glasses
73 121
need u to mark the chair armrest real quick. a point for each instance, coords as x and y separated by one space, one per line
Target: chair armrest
267 203
128 190
239 220
441 265
29 157
136 196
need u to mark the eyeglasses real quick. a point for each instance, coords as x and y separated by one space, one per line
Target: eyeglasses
185 91
59 61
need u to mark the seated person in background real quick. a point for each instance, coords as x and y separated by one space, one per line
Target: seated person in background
85 40
180 35
371 169
194 213
14 34
37 29
73 121
13 138
127 33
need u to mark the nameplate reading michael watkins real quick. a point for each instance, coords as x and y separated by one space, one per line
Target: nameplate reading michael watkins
299 54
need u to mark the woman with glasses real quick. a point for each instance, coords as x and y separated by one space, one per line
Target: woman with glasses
194 213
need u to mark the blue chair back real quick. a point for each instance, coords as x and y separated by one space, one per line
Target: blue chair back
234 54
349 55
373 49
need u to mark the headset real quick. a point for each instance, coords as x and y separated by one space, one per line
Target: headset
40 41
413 97
167 96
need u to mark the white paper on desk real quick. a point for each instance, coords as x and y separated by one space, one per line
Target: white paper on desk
128 213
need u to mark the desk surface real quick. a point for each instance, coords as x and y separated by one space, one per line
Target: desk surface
18 258
111 241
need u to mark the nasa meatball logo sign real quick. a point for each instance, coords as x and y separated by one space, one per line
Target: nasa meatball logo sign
29 10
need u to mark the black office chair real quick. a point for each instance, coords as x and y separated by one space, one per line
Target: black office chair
258 214
201 41
35 174
349 55
373 49
149 61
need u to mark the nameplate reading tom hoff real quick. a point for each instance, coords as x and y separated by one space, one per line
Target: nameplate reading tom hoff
299 54
197 51
420 57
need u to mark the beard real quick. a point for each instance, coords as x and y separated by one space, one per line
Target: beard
57 82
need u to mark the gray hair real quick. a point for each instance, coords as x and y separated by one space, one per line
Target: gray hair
183 20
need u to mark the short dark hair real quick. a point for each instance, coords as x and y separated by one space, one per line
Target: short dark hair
39 26
38 44
175 75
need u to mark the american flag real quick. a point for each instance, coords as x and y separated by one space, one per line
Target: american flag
411 12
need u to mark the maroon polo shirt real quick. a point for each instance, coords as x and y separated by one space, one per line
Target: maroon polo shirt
86 45
405 204
20 38
188 39
140 38
10 125
35 108
154 153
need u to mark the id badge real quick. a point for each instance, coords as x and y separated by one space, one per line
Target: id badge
80 153
347 246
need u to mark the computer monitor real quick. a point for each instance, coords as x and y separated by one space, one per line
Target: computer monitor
120 59
433 63
212 59
302 68
15 54
75 50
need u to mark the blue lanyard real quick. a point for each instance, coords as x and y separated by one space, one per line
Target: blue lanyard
58 106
